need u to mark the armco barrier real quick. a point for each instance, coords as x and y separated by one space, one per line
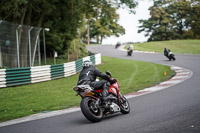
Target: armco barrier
2 78
69 68
40 73
18 76
21 76
97 59
79 62
57 71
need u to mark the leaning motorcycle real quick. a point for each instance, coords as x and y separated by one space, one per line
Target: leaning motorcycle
129 52
92 106
171 56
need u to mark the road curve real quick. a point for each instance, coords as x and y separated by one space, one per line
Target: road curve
172 110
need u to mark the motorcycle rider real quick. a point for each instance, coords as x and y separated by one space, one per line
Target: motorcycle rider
118 44
130 47
169 54
88 76
166 52
130 50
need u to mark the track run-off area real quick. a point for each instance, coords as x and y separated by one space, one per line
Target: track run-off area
173 107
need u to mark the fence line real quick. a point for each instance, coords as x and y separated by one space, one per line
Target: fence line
19 45
20 76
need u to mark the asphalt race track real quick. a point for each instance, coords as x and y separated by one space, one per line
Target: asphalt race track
172 110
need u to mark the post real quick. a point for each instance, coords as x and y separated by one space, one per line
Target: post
33 60
29 39
1 64
44 48
78 53
0 57
68 55
88 32
54 57
74 45
45 59
39 48
17 39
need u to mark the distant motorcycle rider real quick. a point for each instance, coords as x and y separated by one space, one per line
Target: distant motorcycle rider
88 76
169 54
130 50
130 47
166 52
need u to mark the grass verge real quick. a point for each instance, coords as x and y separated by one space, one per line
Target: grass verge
176 46
58 94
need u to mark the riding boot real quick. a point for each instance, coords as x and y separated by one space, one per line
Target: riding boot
104 93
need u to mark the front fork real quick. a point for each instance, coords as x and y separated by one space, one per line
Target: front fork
119 96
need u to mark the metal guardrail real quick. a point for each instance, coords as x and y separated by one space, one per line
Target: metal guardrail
20 45
20 76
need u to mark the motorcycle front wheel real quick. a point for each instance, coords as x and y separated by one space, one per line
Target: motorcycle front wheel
90 111
173 57
124 105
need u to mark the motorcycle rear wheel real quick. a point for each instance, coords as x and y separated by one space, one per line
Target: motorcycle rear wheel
124 105
92 113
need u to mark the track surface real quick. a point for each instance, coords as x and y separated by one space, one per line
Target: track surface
173 110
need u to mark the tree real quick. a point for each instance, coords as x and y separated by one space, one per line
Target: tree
158 26
63 17
195 24
66 18
171 19
104 24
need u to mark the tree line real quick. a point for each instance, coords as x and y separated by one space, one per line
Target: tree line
172 19
68 20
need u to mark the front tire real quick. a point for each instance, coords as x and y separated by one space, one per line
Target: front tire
124 105
89 110
173 58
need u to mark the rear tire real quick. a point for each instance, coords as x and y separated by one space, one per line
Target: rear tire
124 105
88 109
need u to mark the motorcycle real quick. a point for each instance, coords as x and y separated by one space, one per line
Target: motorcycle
117 45
129 52
92 106
170 56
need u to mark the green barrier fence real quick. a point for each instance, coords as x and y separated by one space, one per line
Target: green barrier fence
21 76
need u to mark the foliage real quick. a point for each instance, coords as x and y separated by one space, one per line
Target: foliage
75 51
67 19
104 23
3 67
172 19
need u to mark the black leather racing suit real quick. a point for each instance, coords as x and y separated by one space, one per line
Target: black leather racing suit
166 52
88 76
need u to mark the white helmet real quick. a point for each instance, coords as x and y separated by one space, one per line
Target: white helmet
87 63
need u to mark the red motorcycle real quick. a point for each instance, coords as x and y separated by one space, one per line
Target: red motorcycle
92 106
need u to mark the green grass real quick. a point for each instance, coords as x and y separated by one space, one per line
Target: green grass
58 94
176 46
135 75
